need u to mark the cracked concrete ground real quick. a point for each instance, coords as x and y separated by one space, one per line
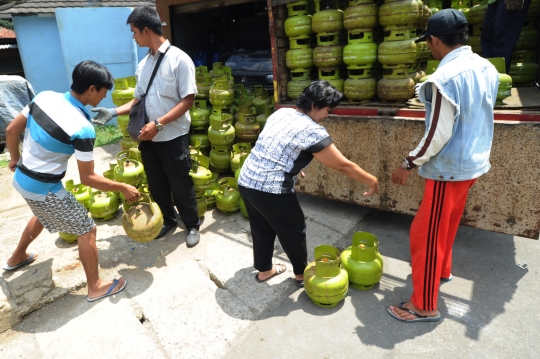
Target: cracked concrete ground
192 303
204 303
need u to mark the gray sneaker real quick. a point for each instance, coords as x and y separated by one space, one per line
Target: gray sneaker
193 237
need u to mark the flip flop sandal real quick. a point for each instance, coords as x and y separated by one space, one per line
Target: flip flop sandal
446 280
110 291
419 318
280 268
27 261
299 283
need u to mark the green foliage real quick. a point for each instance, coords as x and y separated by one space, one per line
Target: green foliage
107 134
3 162
6 23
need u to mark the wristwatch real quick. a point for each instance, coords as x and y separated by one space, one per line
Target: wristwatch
406 165
159 126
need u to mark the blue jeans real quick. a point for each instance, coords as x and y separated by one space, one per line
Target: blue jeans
501 30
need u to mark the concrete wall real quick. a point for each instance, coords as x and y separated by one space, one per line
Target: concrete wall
506 199
41 53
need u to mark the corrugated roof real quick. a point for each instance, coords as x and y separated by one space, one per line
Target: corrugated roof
47 7
7 33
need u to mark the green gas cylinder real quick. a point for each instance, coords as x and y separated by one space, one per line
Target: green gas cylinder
228 196
142 220
327 20
325 282
200 115
362 261
403 12
360 90
361 16
128 170
103 205
69 238
80 191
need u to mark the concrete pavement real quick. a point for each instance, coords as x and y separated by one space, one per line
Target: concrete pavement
204 303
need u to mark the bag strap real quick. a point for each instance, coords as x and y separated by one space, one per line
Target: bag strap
156 68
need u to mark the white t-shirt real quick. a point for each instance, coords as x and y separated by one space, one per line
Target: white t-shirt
285 146
174 80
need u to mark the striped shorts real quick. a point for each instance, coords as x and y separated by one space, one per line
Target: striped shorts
62 215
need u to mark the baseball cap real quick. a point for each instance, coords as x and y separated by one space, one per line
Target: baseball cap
445 22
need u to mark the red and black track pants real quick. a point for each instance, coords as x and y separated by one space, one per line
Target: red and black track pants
432 235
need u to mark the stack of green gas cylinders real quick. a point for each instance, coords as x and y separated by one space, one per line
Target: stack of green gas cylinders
360 53
299 59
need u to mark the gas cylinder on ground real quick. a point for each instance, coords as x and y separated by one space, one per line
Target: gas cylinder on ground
220 158
200 173
69 238
325 282
200 116
200 138
201 206
362 261
228 196
242 207
220 93
221 132
239 151
142 220
210 193
247 129
128 170
103 205
80 191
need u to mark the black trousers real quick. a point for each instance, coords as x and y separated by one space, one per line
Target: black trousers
276 214
167 166
501 30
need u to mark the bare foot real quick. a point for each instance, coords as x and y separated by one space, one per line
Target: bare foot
103 287
405 315
299 277
14 260
271 272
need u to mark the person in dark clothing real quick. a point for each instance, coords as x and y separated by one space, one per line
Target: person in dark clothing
502 27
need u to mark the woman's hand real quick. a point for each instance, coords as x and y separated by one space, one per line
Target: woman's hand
374 187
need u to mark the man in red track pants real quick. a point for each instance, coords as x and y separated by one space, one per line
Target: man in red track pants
459 99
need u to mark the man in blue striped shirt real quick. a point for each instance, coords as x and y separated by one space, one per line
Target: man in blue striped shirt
58 126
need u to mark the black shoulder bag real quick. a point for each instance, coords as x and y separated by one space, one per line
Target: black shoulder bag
137 114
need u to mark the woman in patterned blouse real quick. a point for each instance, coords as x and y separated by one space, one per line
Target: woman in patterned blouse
290 140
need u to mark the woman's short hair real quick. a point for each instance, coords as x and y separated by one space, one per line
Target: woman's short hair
88 73
145 16
317 95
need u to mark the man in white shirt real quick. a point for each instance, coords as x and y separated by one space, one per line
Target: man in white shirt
164 139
